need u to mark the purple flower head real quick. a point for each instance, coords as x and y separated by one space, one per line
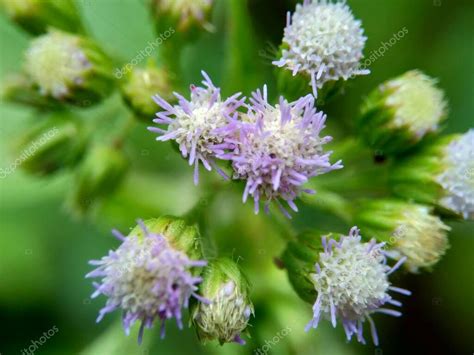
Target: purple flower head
147 279
198 125
278 148
351 280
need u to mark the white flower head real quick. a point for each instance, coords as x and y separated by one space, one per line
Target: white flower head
323 40
351 281
457 179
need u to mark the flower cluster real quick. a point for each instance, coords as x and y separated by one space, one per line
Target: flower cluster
147 279
351 281
274 148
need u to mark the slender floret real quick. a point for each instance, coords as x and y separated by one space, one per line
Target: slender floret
324 41
147 279
197 125
278 148
351 281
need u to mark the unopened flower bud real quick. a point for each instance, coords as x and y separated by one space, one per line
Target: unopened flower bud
98 176
69 68
228 311
149 277
401 112
18 88
55 142
441 174
35 16
344 278
187 16
409 230
141 84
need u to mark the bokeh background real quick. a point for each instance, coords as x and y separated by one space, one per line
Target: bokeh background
44 251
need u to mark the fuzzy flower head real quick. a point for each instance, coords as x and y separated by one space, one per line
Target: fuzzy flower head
457 179
147 279
278 149
411 230
416 102
323 40
351 281
197 125
56 62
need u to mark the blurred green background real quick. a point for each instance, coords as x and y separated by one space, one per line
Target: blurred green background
44 252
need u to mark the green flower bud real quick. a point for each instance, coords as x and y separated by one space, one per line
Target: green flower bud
140 85
98 177
19 89
69 68
229 310
409 230
56 142
179 234
35 16
401 112
299 259
439 174
187 16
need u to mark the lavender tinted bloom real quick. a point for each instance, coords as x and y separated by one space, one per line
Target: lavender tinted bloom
278 148
351 280
197 124
147 279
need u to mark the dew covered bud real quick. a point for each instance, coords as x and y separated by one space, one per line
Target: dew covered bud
53 143
409 230
35 16
228 311
152 275
401 112
344 278
69 68
441 174
141 84
102 170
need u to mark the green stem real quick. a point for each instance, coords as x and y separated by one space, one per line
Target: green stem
330 202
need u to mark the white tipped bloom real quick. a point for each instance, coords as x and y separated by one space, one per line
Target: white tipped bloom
351 281
324 41
457 179
417 103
